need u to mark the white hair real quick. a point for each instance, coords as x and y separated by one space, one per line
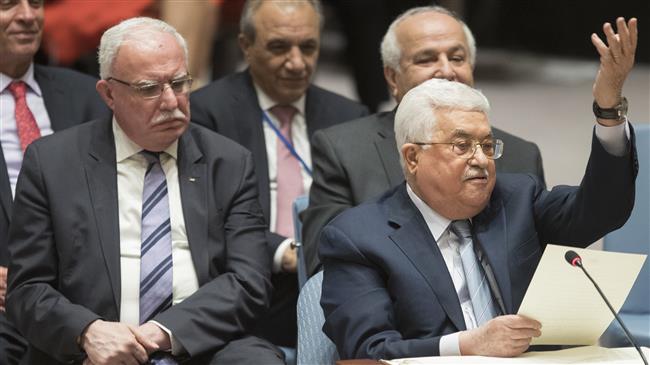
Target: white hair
391 51
415 120
139 29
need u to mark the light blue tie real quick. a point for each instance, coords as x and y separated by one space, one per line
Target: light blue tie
156 249
477 284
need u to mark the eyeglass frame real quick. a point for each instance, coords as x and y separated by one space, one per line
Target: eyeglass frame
138 88
475 144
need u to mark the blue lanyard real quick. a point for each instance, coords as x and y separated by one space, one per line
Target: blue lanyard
288 144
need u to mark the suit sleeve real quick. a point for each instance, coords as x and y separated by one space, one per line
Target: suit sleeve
602 203
359 315
47 319
329 195
226 307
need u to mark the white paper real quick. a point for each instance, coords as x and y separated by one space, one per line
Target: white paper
565 301
578 355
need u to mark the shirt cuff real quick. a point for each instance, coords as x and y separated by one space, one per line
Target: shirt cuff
177 348
279 252
614 139
449 345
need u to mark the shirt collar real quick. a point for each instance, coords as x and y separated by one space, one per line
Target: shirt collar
436 222
265 102
126 148
27 78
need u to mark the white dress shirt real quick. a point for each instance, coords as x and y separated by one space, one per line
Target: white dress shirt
300 144
614 141
131 167
8 132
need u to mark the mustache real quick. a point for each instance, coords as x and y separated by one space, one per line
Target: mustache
476 173
168 116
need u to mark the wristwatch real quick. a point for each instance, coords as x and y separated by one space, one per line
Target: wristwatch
618 112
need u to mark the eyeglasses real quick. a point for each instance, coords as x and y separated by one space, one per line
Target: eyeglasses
152 90
466 149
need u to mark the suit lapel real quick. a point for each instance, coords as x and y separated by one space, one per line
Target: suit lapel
490 230
54 98
101 174
193 182
387 149
414 239
316 114
6 199
251 134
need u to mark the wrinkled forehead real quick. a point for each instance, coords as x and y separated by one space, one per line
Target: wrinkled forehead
462 124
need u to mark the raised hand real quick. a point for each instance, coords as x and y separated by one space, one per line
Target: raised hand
616 60
503 336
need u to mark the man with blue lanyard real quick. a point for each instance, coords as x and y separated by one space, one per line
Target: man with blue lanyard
272 109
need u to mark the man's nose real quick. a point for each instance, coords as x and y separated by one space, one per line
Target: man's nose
25 12
445 69
479 158
295 60
169 99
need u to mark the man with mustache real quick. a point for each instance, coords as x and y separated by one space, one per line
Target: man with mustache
273 109
438 265
358 160
35 101
139 238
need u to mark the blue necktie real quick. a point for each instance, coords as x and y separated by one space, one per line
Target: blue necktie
156 249
477 284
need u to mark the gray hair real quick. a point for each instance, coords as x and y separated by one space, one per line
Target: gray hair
391 51
131 29
247 27
415 120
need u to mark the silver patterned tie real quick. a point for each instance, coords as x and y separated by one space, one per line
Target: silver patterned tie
156 249
477 284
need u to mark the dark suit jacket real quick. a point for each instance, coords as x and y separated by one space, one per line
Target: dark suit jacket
387 292
359 160
230 107
70 98
64 243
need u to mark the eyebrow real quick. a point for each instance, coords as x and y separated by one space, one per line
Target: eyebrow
460 133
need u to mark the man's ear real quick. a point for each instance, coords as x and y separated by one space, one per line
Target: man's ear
410 155
105 92
391 79
244 44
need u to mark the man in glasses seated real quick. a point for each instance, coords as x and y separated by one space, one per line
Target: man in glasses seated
439 264
139 239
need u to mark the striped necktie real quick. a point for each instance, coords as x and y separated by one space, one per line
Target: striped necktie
156 247
477 284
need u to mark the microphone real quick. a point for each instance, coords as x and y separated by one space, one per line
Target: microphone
574 259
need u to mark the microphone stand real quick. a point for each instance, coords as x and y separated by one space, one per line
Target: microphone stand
627 333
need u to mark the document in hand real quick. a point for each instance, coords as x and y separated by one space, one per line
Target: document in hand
563 299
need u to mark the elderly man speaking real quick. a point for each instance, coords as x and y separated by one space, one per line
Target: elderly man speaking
439 264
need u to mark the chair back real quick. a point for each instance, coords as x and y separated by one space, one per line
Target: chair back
314 347
634 236
299 205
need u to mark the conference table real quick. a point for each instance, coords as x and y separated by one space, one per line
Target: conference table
577 355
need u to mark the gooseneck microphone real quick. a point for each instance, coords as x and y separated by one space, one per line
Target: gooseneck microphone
574 259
